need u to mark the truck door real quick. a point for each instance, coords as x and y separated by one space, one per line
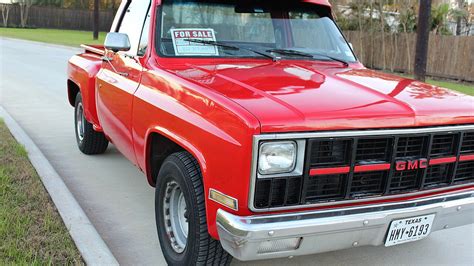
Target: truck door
119 79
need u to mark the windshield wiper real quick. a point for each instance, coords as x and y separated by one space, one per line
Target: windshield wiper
233 47
290 52
303 54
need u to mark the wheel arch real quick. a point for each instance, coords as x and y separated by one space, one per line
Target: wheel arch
72 90
159 145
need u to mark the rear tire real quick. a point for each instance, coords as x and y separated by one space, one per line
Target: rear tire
88 140
183 234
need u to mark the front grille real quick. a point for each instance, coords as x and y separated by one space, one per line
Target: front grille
439 175
444 145
413 146
368 183
468 143
405 181
276 192
330 153
361 167
373 150
325 187
465 172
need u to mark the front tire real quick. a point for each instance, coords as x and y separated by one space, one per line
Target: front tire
88 140
181 215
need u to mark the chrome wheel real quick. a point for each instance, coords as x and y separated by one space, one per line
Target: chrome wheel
80 121
175 216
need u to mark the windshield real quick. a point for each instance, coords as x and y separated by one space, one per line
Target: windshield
194 28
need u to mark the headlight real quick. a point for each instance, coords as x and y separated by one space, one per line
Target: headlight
277 157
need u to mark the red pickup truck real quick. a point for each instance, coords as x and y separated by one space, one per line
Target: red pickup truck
264 135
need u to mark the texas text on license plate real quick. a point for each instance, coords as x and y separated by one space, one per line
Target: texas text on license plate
409 229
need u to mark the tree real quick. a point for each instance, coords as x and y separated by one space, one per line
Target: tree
55 3
461 14
89 4
407 18
458 15
422 39
469 18
382 29
356 19
96 20
24 10
439 15
5 7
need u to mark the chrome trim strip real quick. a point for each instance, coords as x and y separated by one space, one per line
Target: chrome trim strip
335 134
353 133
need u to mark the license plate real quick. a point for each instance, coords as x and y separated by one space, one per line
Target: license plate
409 229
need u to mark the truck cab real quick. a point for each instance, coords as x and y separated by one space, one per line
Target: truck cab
263 134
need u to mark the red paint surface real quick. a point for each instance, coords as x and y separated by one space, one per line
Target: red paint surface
346 169
329 171
372 167
442 160
465 158
213 108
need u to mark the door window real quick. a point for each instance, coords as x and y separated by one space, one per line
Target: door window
133 21
144 38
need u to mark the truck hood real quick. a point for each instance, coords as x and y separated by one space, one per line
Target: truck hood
295 96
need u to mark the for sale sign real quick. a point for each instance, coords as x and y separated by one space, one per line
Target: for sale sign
184 46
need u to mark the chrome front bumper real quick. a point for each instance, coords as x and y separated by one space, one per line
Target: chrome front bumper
257 237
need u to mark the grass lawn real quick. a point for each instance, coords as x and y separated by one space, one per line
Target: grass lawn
454 86
31 230
64 37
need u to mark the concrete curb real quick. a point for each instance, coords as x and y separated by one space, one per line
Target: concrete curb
92 247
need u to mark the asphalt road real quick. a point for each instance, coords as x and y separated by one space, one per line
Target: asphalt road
116 196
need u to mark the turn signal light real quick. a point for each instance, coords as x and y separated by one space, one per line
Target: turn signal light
223 199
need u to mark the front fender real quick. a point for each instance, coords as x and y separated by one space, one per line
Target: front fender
214 129
178 140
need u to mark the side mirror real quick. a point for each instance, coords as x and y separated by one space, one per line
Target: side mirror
117 42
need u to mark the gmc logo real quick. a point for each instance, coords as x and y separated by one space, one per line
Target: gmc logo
403 165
